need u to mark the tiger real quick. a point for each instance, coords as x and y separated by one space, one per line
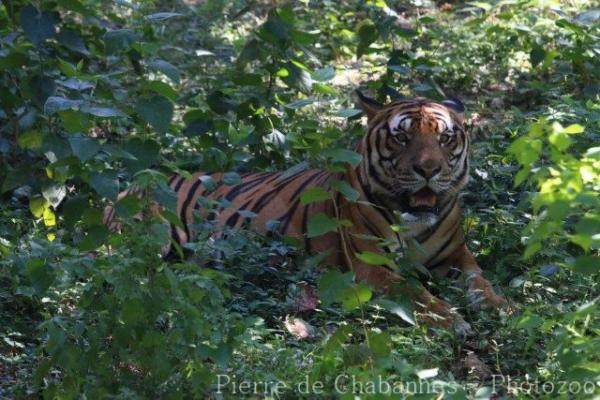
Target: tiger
414 163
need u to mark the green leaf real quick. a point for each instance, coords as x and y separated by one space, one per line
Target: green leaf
303 38
347 112
128 206
37 206
560 140
170 71
343 156
323 74
244 79
30 140
75 121
161 16
156 111
356 296
208 182
294 169
39 88
219 102
162 88
105 184
404 311
573 129
55 103
119 40
275 30
94 238
367 34
145 152
19 176
314 194
38 26
529 321
76 84
522 175
49 217
165 196
526 150
67 68
231 178
332 284
346 189
300 103
297 77
73 209
84 148
172 218
40 275
320 224
373 258
537 55
72 41
587 264
103 112
40 208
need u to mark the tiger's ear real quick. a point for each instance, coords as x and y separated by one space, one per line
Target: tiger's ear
370 106
457 106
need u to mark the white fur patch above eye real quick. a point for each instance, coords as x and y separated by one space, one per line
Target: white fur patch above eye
398 123
446 126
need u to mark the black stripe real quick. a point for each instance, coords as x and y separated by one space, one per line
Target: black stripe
267 197
178 184
379 206
176 187
375 175
464 171
453 273
423 236
287 217
307 240
264 200
232 220
305 183
186 204
368 224
244 187
443 246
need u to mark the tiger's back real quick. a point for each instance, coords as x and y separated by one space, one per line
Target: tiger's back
271 196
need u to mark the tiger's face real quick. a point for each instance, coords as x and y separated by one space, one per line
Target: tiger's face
415 154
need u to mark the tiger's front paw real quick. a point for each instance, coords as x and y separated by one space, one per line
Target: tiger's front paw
437 313
481 294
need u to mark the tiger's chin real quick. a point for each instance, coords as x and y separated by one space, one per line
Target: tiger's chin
416 222
420 211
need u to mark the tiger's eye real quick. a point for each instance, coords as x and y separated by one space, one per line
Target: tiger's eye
401 139
445 139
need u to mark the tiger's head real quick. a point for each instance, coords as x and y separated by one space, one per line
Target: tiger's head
414 154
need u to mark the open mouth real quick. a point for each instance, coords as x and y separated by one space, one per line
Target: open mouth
423 200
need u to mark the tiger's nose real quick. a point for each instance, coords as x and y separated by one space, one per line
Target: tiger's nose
427 169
